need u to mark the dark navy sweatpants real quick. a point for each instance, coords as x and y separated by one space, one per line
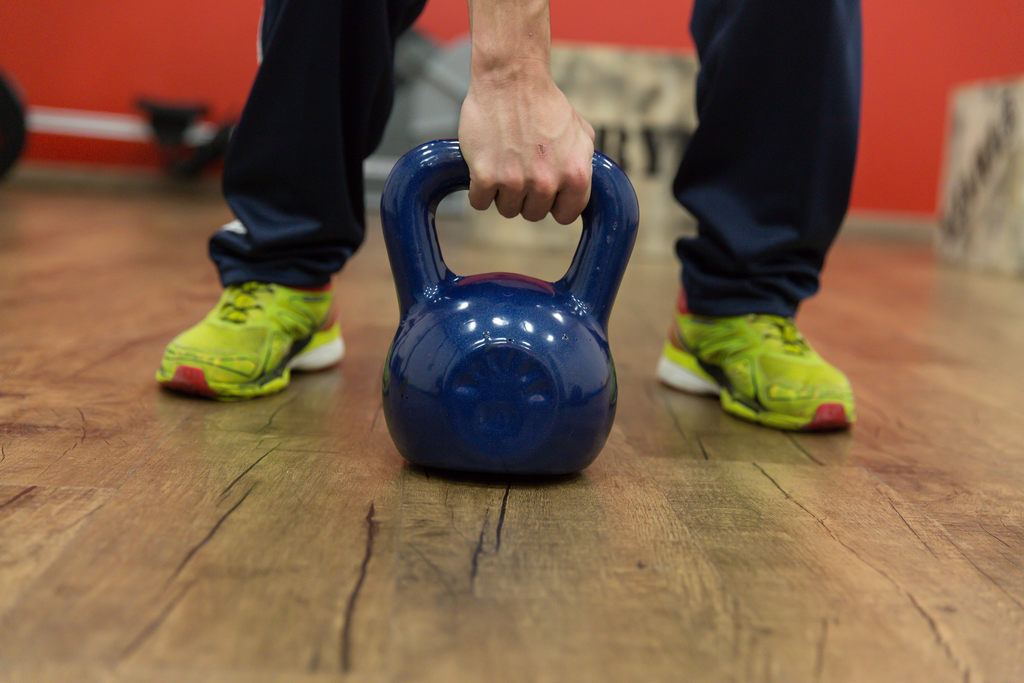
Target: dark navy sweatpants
767 172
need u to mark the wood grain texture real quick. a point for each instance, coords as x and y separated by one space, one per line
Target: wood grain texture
148 536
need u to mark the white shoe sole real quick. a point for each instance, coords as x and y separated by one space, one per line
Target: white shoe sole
680 378
319 358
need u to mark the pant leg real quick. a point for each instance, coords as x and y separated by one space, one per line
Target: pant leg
293 174
767 173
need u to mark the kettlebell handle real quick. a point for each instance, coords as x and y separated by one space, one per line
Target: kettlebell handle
432 171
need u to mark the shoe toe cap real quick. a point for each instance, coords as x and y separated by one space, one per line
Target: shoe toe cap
217 367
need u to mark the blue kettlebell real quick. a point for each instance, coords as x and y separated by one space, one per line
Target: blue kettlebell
500 372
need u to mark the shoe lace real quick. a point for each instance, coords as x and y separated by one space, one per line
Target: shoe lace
780 331
240 300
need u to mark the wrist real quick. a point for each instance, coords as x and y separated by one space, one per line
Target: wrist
511 40
520 71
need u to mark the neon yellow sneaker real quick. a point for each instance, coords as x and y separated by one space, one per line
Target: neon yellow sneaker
250 342
760 367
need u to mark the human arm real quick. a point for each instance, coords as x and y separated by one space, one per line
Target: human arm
529 151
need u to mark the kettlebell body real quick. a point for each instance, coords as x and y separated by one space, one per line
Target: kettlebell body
500 372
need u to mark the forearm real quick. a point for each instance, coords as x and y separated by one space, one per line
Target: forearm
510 38
528 150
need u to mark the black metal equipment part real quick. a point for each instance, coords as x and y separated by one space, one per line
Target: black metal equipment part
12 124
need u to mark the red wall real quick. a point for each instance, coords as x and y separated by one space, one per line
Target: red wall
101 54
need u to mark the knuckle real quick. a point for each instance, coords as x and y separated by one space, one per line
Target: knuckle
545 186
483 180
514 184
578 178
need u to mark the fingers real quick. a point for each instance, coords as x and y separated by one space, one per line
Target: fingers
528 150
573 196
563 197
540 197
508 193
512 196
534 181
510 199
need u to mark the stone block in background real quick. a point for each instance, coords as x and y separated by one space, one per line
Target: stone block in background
431 82
982 218
641 104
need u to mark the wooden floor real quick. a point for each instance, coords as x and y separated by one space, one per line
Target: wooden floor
147 536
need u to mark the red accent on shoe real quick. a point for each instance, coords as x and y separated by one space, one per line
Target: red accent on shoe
828 416
191 381
681 305
675 337
332 317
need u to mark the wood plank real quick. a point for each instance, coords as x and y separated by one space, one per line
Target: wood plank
151 536
834 553
192 547
536 566
36 523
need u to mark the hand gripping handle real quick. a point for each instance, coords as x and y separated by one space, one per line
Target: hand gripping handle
427 174
609 229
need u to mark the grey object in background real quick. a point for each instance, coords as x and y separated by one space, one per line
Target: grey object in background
640 102
982 224
431 82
